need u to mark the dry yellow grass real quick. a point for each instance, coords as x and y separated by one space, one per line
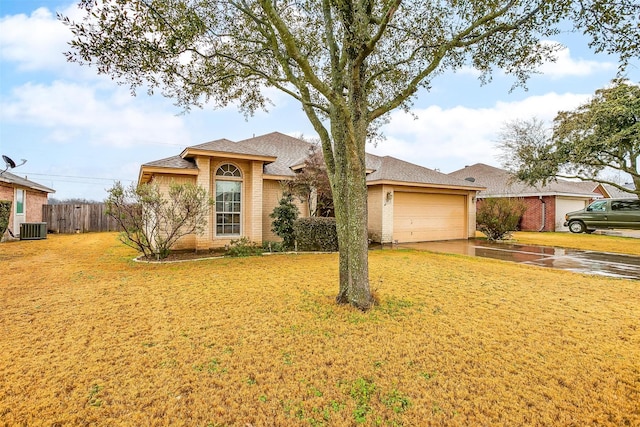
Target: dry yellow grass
91 338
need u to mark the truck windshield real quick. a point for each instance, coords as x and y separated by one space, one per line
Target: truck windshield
599 206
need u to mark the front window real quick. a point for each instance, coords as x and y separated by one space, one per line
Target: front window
228 200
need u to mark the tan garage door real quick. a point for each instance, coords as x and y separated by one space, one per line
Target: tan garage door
425 217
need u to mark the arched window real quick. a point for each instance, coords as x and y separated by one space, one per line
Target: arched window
229 170
228 200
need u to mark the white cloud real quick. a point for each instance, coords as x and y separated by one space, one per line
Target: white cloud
70 111
566 66
35 42
449 139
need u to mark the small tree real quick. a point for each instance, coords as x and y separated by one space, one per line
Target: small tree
284 216
312 184
153 222
5 213
498 217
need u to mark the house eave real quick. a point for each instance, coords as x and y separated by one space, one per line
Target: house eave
146 172
424 185
27 186
192 152
278 177
541 194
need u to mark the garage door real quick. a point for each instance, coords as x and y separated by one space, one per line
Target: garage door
425 217
564 205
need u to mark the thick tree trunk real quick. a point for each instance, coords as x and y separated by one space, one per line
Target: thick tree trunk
350 203
351 216
349 129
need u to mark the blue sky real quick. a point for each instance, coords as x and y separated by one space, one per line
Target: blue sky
79 131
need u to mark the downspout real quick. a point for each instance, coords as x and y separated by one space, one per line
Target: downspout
544 213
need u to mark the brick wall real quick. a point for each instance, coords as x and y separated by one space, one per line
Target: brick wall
532 218
374 212
33 202
164 181
380 213
271 195
253 207
6 191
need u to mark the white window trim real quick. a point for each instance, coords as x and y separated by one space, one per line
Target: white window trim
229 178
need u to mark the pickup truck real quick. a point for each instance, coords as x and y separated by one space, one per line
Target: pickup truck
605 213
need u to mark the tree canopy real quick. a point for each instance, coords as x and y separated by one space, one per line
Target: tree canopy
599 136
348 62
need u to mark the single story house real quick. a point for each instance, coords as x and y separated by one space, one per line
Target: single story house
406 203
546 205
27 199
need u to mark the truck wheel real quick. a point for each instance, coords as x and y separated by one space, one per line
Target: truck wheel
577 227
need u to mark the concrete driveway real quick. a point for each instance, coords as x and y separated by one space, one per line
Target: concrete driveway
589 262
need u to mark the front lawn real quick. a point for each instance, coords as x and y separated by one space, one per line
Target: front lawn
91 338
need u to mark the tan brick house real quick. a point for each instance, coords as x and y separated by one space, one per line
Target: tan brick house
545 205
27 199
407 202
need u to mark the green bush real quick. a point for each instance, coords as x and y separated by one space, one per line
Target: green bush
284 216
316 234
243 247
498 217
273 247
5 212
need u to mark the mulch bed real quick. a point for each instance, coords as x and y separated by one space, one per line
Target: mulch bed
190 255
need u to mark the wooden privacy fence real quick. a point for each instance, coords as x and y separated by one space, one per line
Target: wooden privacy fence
78 218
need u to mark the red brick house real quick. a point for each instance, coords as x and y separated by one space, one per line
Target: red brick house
546 205
27 198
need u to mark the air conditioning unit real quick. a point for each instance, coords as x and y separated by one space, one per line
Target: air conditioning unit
33 230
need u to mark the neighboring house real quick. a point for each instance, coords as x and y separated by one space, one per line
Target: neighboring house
546 205
27 198
606 190
407 203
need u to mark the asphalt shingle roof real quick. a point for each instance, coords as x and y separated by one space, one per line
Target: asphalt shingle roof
227 146
10 178
499 182
175 162
290 151
616 193
389 168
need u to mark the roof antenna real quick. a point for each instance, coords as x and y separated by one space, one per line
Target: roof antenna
10 164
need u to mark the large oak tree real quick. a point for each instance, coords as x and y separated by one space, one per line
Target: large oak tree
348 62
600 136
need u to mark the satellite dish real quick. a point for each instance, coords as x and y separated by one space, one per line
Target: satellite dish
10 163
